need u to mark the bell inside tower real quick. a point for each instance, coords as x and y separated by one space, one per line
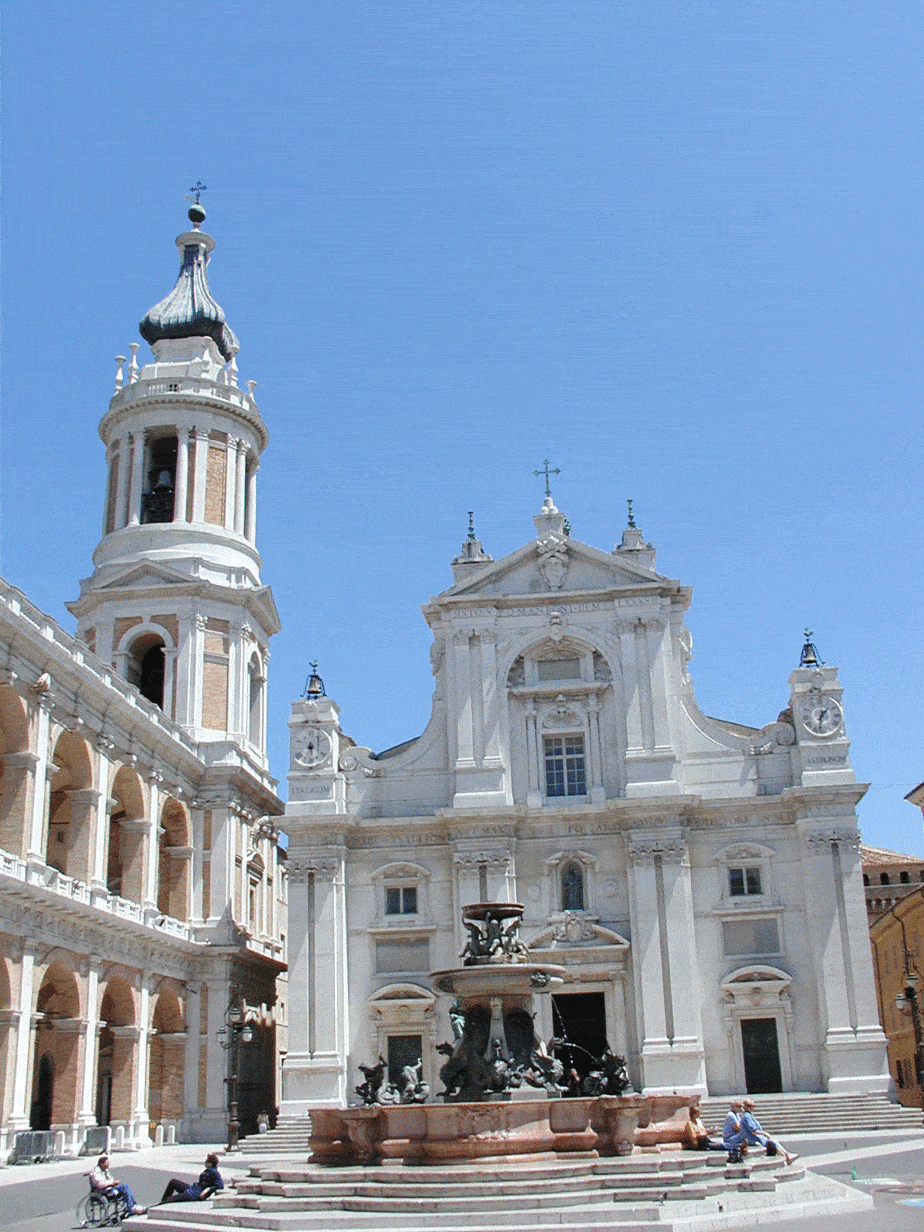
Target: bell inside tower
160 480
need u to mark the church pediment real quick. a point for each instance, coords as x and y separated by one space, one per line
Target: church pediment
575 930
143 575
555 565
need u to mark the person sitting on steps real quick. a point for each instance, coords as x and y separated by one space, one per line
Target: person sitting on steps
209 1181
734 1137
757 1136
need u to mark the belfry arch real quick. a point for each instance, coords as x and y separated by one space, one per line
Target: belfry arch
71 808
125 852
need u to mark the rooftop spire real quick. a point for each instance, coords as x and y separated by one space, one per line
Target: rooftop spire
189 311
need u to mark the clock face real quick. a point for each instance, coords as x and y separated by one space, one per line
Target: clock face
310 746
822 716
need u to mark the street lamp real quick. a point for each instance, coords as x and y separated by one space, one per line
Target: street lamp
906 1001
236 1031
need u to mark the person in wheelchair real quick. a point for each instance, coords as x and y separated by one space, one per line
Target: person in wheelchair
103 1182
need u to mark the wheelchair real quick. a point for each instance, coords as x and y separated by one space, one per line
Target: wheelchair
99 1210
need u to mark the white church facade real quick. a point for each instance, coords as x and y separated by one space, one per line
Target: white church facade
699 880
142 886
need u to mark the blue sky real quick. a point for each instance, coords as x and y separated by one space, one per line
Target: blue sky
673 247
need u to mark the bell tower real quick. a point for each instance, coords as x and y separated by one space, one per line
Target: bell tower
175 602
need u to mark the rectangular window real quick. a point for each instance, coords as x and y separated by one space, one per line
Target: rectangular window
410 956
744 881
559 669
401 900
745 937
565 773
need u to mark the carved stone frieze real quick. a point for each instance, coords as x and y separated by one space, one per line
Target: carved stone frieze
495 858
643 848
820 837
324 867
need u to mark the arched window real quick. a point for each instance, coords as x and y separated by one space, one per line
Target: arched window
160 480
884 879
904 876
572 887
145 666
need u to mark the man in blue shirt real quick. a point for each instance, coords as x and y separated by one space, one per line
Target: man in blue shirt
209 1181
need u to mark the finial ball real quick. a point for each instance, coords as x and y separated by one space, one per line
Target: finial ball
196 214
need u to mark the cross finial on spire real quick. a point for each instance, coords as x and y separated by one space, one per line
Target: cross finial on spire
631 516
198 188
471 526
547 472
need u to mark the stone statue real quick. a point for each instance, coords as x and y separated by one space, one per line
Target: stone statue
374 1075
413 1089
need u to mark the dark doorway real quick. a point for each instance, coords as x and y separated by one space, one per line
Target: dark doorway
761 1056
579 1019
151 683
402 1050
44 1092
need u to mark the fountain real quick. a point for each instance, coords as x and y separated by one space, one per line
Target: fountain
503 1086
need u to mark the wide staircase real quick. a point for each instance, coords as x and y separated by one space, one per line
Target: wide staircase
291 1136
785 1115
646 1192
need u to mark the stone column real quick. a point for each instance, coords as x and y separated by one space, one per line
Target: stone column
314 1071
140 1118
124 1070
152 846
84 809
854 1058
632 707
200 464
87 1105
181 484
672 1054
655 645
22 1070
99 854
135 832
191 1059
19 778
250 529
230 481
137 478
223 874
460 672
597 794
240 487
122 480
643 684
534 790
36 852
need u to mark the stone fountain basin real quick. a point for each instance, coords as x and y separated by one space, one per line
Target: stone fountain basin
441 1133
498 980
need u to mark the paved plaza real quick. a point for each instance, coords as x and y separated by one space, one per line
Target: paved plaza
43 1197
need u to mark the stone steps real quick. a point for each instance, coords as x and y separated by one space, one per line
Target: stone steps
292 1136
632 1191
782 1115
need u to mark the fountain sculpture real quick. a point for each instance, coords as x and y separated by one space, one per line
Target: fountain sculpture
503 1086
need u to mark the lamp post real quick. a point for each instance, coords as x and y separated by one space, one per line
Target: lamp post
906 1001
237 1030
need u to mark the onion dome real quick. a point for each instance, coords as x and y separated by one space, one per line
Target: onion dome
189 311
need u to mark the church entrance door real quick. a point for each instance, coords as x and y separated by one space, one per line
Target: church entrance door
580 1020
761 1050
402 1050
